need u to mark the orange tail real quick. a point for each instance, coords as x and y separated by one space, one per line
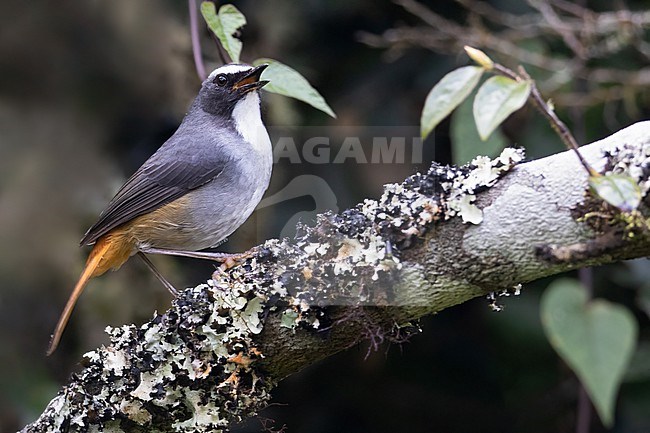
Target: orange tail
108 252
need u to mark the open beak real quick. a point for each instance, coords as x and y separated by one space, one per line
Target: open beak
251 81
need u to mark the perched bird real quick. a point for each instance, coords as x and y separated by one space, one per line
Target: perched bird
197 189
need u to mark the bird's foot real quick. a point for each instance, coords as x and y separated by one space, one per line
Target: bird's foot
235 259
225 258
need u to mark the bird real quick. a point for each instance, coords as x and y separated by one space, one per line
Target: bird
194 191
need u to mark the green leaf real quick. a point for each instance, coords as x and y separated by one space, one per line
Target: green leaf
618 190
288 82
225 25
450 91
465 142
595 338
497 99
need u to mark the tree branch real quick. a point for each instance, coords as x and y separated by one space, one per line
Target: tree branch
434 241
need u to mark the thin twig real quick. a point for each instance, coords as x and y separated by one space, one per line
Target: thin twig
223 55
547 112
583 417
494 15
562 29
430 17
572 8
196 42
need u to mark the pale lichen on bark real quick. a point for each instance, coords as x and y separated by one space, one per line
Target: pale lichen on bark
212 359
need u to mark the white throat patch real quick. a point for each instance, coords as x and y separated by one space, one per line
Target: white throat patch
248 121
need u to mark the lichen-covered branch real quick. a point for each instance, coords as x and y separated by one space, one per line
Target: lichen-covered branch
438 239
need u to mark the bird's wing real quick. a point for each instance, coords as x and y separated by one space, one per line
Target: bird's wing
176 168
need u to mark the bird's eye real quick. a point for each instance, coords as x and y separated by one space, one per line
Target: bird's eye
221 80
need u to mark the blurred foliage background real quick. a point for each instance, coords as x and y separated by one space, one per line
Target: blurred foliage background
89 90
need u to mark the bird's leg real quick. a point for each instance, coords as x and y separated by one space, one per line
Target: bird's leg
155 271
215 256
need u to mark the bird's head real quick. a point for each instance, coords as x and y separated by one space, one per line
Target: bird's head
228 85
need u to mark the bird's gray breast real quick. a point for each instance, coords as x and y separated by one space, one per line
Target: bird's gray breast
220 206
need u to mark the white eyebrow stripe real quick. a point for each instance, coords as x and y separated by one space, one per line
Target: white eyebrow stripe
230 69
